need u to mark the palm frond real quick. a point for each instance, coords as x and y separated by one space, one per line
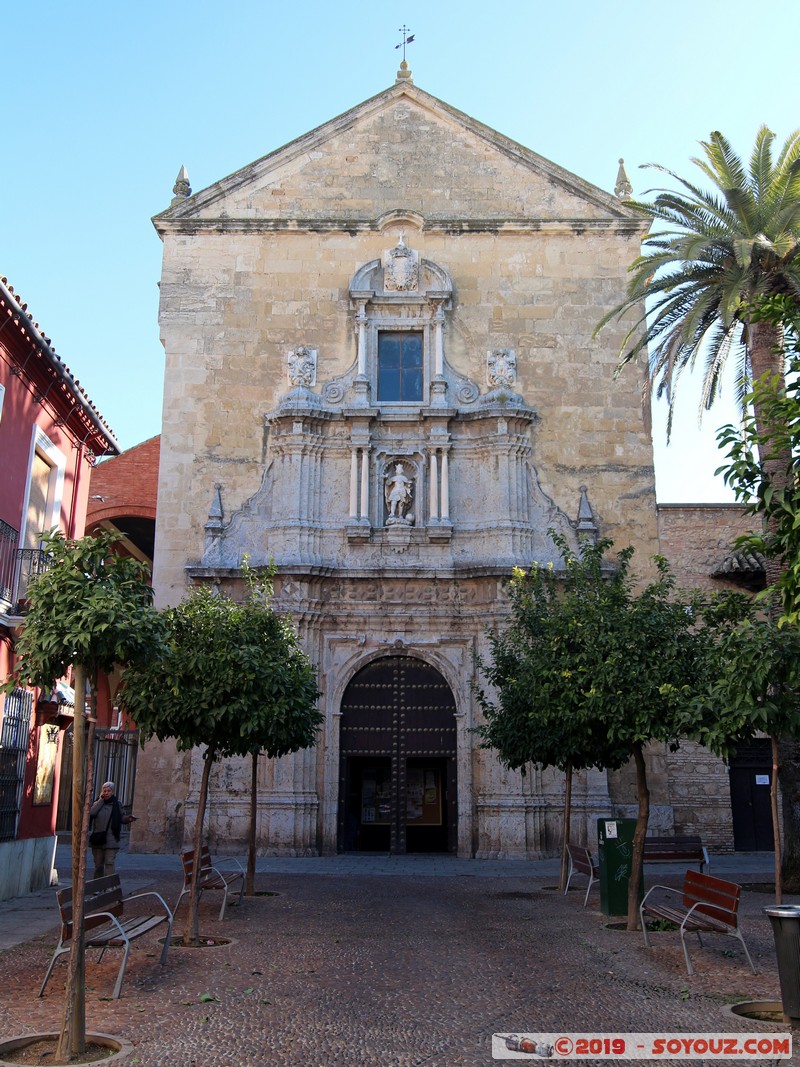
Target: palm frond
710 254
745 207
761 170
717 350
789 153
726 168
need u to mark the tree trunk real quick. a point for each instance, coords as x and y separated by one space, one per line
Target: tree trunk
567 826
191 934
643 796
72 1039
776 830
789 762
250 883
766 352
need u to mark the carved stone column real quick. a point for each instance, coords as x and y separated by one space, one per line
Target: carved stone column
361 322
354 484
445 511
438 341
364 506
433 491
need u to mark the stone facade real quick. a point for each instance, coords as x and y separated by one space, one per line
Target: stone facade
381 374
698 541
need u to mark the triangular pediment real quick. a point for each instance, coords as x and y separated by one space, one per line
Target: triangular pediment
400 151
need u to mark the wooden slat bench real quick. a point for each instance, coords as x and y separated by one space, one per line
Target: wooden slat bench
580 861
210 877
106 923
685 848
704 905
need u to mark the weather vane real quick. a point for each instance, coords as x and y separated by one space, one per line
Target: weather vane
406 40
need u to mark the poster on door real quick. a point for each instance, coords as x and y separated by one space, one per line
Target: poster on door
375 796
423 797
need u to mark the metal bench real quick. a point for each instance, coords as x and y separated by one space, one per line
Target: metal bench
210 877
704 905
581 862
106 925
681 848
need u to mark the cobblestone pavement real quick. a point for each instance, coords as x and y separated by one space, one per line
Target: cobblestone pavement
360 969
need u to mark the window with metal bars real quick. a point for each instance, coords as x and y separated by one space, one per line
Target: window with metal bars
14 733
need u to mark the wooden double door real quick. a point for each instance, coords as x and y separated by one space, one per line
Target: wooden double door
397 782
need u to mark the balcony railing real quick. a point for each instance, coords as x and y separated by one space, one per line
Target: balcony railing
9 539
31 561
17 567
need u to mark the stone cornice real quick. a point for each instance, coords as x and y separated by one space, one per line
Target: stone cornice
405 571
494 226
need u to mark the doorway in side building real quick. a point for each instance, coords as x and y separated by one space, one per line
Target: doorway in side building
397 780
750 772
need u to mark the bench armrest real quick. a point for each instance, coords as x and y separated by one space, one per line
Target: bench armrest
717 918
221 871
152 893
667 889
221 865
108 915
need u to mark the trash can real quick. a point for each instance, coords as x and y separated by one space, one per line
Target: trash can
615 854
785 919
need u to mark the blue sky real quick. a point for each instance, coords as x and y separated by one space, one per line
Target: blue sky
105 102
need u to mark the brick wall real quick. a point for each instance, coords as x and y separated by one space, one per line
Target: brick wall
696 538
127 484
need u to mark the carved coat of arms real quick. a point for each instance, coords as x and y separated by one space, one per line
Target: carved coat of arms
401 269
501 367
302 364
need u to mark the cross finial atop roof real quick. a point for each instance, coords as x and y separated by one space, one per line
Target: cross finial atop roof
404 74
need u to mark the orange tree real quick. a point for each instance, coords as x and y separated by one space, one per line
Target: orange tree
590 671
532 710
752 685
90 610
233 679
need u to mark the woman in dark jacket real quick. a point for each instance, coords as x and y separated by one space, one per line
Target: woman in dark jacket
104 835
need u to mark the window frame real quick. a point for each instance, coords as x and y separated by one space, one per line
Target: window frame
385 334
55 459
380 325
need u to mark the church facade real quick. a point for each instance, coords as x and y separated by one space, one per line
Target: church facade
381 375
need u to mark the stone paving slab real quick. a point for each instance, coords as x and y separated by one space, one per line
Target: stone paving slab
362 970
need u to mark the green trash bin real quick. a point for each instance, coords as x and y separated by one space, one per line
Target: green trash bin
615 853
785 919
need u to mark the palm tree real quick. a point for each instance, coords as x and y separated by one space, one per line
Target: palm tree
698 290
709 261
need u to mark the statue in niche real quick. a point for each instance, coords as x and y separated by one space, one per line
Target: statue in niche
401 269
501 367
398 492
302 362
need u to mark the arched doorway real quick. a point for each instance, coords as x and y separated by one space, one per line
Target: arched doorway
397 764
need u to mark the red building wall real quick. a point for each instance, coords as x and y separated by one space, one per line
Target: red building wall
44 410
